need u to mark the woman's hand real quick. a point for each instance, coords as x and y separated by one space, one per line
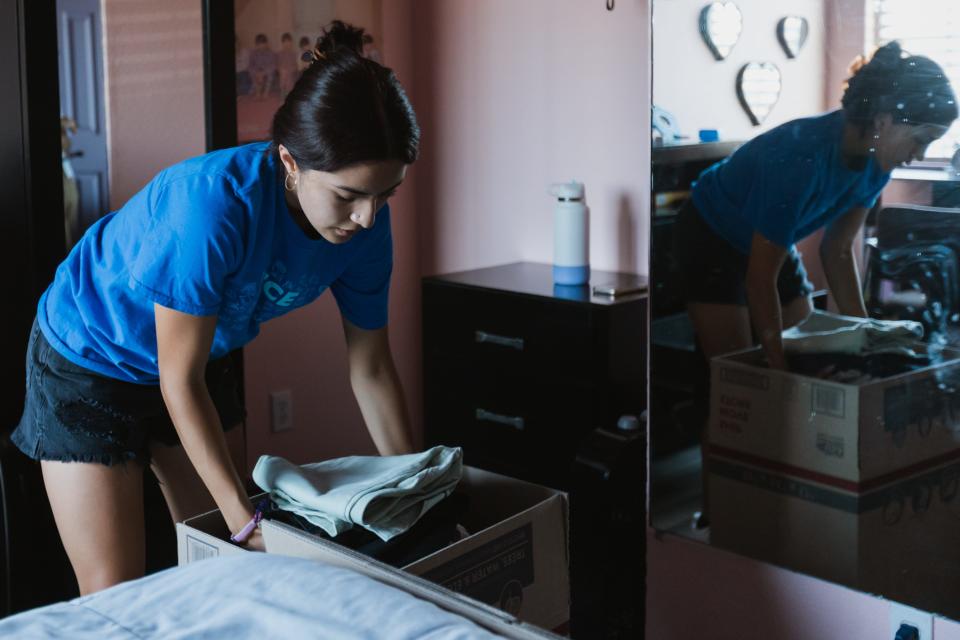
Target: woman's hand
237 514
235 525
255 541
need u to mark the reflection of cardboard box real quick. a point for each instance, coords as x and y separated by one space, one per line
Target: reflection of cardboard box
855 483
856 434
516 558
898 540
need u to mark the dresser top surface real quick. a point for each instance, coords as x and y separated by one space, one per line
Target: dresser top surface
536 279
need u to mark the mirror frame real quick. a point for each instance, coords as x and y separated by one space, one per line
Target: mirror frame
219 75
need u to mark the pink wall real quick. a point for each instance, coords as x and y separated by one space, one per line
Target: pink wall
514 96
846 28
154 89
685 72
695 592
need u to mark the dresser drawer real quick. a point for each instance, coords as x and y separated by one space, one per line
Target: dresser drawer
531 426
503 332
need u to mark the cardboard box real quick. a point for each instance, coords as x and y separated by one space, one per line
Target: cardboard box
897 540
858 434
516 557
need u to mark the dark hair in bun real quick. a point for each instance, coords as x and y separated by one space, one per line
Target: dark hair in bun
346 108
912 89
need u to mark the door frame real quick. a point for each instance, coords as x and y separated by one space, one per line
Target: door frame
31 226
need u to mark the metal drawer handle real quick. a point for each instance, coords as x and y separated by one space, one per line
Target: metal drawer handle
503 341
511 421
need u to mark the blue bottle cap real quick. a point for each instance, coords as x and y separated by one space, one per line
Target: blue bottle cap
709 135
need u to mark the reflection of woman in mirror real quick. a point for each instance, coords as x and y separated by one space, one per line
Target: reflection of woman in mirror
744 280
737 234
128 359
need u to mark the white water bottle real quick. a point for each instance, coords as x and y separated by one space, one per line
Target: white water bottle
571 235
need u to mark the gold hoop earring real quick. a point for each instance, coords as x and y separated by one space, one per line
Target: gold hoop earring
286 182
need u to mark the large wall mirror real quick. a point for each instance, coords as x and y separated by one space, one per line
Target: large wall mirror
832 448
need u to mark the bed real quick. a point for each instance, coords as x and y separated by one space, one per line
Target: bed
253 596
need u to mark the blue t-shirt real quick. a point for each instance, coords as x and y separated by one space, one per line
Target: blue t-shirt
785 184
209 236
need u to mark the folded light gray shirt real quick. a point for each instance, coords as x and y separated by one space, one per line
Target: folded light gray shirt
863 336
383 494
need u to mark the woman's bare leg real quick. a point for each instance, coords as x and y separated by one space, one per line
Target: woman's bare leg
99 514
182 488
720 329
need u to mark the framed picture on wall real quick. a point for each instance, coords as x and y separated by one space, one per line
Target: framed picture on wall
273 44
249 64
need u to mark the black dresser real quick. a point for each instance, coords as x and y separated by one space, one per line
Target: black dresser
518 371
531 380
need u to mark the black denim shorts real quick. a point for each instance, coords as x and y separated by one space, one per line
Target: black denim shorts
713 271
75 415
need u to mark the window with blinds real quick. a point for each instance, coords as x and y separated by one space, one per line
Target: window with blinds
928 28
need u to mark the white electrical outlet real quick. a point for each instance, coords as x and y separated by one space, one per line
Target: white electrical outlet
281 410
900 614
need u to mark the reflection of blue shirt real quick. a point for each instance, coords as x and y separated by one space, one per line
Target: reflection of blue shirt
209 236
785 184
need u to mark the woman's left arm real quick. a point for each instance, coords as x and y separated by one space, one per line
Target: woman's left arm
377 388
840 264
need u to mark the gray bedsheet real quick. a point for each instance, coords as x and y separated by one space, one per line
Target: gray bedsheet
255 596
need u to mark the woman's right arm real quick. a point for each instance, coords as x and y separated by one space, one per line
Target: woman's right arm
763 299
183 348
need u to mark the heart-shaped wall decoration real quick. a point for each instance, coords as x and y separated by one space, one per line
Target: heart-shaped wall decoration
720 26
792 33
758 87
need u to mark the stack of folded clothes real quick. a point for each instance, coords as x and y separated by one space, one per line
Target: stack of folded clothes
848 368
857 351
436 530
395 508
